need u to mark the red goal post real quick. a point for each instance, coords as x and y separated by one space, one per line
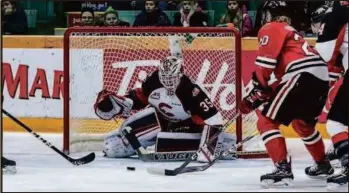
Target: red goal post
118 59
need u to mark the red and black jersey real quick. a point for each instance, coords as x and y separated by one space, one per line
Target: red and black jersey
284 52
189 101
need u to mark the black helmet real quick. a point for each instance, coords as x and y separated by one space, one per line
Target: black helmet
318 14
278 8
273 10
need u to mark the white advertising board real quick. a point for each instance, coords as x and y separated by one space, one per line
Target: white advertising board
33 82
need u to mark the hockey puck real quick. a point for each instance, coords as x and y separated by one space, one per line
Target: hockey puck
131 168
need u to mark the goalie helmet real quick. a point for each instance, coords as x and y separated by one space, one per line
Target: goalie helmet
170 73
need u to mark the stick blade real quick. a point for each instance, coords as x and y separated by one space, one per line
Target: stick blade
161 171
84 160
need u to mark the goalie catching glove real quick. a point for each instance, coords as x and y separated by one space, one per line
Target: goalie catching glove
108 105
257 95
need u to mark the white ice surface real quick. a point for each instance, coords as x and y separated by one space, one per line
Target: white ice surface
41 169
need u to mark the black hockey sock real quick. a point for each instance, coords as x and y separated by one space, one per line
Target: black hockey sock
341 149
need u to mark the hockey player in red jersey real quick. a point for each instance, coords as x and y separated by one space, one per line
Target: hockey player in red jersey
297 96
332 44
175 114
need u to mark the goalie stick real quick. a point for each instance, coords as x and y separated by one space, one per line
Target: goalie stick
184 169
81 161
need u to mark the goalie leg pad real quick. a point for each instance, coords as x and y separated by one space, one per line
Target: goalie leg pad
210 151
116 146
144 126
170 142
184 143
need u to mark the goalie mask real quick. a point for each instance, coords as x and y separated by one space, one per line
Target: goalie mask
170 73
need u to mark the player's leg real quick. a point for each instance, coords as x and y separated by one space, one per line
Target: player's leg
309 98
8 166
280 109
314 143
291 101
330 153
276 147
145 128
337 127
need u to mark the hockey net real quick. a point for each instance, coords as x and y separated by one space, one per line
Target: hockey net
119 59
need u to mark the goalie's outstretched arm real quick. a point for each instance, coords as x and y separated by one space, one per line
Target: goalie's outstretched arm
109 105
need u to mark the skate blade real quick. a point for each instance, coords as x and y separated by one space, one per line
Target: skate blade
319 177
334 187
288 182
9 170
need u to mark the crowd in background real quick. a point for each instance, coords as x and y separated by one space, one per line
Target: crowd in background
189 13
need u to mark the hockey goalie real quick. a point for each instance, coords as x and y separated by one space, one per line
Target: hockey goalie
174 114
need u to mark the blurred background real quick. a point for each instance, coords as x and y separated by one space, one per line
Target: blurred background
50 17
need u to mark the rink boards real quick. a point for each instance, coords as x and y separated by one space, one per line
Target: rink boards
38 62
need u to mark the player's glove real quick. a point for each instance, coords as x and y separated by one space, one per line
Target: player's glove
257 96
108 105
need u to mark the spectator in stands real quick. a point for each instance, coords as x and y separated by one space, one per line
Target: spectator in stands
163 5
237 15
87 17
14 19
190 14
111 18
151 15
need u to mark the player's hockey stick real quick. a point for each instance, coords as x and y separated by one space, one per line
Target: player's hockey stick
84 160
184 169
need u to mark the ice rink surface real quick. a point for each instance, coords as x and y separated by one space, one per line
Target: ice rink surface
40 170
